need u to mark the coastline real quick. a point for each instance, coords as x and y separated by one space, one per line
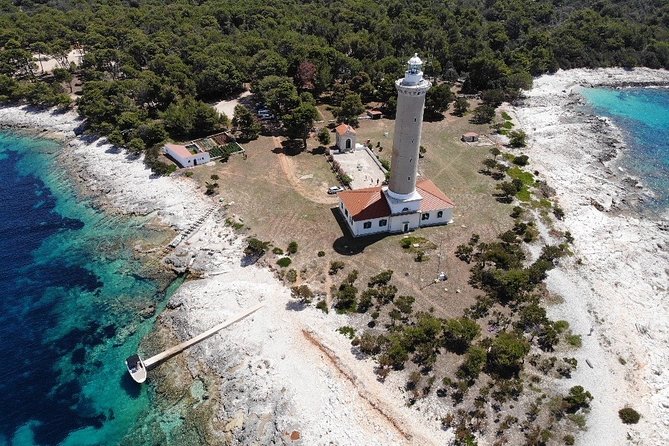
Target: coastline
615 286
281 375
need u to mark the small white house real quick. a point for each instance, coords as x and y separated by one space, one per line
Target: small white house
345 138
186 156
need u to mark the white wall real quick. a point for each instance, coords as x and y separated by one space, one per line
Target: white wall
397 222
201 158
434 220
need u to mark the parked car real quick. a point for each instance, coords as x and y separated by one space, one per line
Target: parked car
334 189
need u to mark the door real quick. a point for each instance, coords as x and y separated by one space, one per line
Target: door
406 227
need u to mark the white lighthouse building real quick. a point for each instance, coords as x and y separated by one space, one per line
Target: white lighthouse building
407 202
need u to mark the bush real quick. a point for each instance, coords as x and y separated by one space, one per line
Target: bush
255 247
335 266
346 298
471 368
521 160
574 340
284 262
347 331
629 415
459 333
323 306
278 251
302 292
291 276
321 254
292 247
188 174
380 279
506 353
578 398
569 440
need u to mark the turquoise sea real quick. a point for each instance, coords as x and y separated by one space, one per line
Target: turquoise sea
643 116
71 297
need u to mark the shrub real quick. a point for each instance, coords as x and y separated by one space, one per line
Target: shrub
629 415
188 174
278 251
521 160
321 254
380 279
506 353
302 292
578 398
459 333
284 262
517 138
569 440
255 247
347 331
366 300
323 306
335 266
291 275
292 247
574 340
471 368
404 304
346 298
368 344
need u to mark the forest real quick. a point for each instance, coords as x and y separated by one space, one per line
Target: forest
150 67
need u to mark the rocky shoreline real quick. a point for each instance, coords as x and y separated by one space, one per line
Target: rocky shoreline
282 376
615 286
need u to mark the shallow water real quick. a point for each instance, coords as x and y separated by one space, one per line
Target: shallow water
643 116
71 293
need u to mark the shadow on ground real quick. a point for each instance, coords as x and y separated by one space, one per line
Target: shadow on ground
348 245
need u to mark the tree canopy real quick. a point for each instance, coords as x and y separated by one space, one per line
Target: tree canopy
149 60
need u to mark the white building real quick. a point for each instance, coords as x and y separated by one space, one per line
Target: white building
406 203
345 138
186 156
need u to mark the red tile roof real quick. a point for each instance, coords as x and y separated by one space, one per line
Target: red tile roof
471 134
179 150
433 198
342 129
365 204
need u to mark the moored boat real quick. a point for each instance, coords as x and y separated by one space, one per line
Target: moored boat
136 368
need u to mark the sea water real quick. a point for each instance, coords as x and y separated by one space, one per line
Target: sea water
72 295
643 116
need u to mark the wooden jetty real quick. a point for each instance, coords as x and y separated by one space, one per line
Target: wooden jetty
138 367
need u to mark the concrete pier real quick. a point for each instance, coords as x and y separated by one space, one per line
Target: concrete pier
162 356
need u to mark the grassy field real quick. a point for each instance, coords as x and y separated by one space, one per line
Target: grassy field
281 198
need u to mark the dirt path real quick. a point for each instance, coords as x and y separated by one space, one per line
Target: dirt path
288 167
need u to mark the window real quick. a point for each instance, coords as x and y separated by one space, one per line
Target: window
425 216
367 225
346 212
383 222
405 210
440 214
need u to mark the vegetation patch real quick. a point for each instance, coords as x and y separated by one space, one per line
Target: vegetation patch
416 244
284 262
629 415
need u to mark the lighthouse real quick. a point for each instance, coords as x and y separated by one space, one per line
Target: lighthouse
407 202
411 90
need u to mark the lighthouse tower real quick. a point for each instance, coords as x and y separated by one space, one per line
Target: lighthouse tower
406 203
411 89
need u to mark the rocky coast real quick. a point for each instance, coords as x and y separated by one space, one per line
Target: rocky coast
282 376
615 289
